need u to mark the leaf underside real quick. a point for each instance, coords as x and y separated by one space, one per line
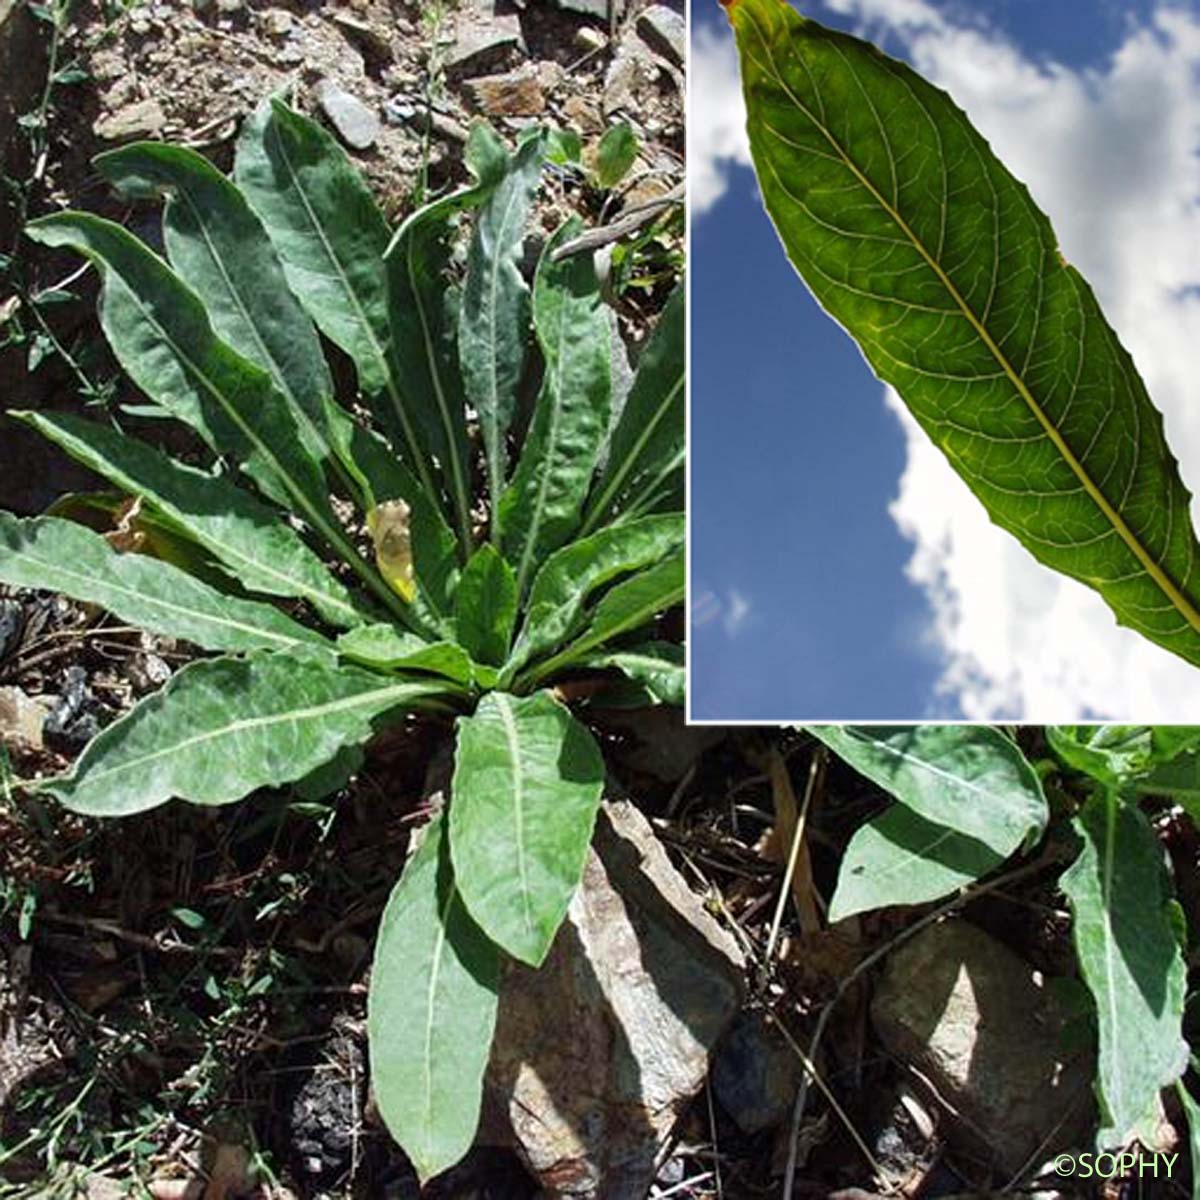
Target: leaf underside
913 235
971 779
1131 962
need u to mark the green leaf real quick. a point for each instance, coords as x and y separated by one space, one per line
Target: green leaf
1177 780
330 236
486 606
220 249
225 726
423 309
387 648
626 607
657 666
563 147
968 778
45 552
1116 754
527 784
160 332
647 446
542 506
569 577
1130 959
494 317
616 153
431 1011
1191 1110
916 239
263 553
900 857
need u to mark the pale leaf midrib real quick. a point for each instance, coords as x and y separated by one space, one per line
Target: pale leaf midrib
275 367
512 739
86 581
360 313
244 724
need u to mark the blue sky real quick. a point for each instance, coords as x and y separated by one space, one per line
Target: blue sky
838 572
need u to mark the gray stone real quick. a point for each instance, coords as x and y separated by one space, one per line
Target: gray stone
22 719
278 22
981 1026
141 120
598 1053
365 34
633 70
610 10
354 122
480 42
590 39
664 31
756 1073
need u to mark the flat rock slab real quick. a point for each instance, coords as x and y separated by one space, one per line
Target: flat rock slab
597 1054
664 30
142 119
986 1032
517 94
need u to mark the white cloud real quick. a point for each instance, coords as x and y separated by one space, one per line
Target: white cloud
1111 153
732 611
716 118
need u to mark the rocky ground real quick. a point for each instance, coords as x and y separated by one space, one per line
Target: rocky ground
187 1007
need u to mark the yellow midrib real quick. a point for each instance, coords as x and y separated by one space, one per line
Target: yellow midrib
1181 603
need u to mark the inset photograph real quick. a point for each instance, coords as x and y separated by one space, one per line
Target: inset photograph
946 293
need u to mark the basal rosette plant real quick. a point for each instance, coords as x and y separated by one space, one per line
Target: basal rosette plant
914 236
966 800
497 540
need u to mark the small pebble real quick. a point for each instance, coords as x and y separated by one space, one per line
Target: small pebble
354 122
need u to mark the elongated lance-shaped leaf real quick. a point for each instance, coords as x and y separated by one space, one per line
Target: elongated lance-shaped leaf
486 606
971 779
422 307
225 726
46 552
527 784
915 237
219 248
160 332
542 506
626 607
387 648
494 316
1130 959
330 237
431 1011
647 445
569 576
658 666
263 553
